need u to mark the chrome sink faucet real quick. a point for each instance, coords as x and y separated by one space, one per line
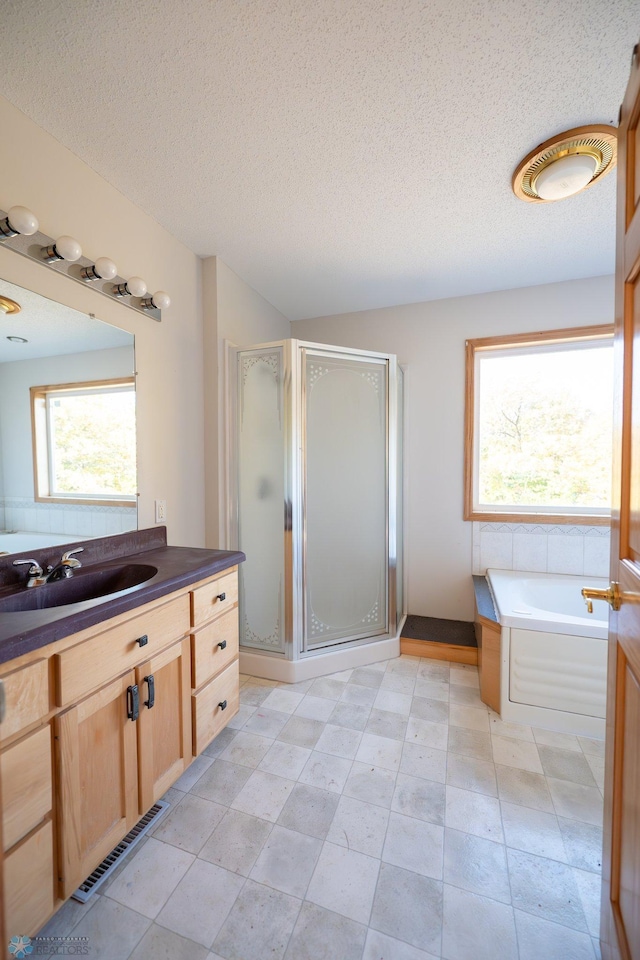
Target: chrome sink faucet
61 571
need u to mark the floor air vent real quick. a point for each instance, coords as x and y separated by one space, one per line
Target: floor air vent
124 848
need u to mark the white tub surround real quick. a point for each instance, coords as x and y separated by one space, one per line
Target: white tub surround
19 541
578 549
553 653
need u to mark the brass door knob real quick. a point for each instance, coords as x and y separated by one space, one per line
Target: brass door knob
612 596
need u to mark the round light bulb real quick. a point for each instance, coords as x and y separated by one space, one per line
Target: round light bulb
565 176
68 248
161 300
105 268
136 286
23 221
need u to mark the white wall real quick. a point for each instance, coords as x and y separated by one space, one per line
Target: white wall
430 339
68 197
234 314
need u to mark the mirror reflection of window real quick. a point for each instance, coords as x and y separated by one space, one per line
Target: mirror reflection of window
47 342
85 439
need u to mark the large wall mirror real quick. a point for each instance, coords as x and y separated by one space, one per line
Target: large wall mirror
67 424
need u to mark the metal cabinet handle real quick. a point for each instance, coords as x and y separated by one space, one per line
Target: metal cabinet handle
133 702
221 596
143 640
223 704
150 682
222 644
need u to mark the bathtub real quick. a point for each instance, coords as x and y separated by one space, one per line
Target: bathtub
553 652
19 541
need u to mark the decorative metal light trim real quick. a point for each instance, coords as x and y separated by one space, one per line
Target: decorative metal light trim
32 246
596 140
7 305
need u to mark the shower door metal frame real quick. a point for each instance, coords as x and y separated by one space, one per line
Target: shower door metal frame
294 396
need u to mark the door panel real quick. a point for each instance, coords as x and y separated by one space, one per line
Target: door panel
620 921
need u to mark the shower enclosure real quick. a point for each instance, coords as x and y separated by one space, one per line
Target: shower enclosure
317 506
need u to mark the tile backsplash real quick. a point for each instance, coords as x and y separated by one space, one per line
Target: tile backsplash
541 548
27 515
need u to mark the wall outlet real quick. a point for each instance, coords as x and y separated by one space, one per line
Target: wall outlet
161 511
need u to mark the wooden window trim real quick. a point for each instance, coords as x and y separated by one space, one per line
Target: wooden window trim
39 451
602 331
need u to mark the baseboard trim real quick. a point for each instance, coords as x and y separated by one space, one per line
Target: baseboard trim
292 671
438 651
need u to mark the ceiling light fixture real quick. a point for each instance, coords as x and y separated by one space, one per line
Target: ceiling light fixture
102 269
17 340
18 220
9 306
566 164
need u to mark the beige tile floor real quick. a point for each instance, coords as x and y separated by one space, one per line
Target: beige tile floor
383 813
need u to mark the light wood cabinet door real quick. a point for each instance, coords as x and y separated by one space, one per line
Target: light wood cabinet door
97 779
164 726
28 883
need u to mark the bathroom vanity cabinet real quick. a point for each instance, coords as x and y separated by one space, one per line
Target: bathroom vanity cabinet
98 726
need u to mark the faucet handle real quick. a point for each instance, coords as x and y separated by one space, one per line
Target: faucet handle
35 570
68 559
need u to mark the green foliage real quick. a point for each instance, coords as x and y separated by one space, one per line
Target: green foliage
94 439
539 446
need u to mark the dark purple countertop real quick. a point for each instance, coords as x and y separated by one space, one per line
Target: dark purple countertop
177 567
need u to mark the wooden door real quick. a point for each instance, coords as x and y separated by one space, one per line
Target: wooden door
620 927
164 727
97 779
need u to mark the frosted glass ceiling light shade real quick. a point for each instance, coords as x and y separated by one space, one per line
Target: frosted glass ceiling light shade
18 220
564 177
566 164
102 269
65 248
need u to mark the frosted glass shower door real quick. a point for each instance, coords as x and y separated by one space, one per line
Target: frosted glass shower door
261 466
345 497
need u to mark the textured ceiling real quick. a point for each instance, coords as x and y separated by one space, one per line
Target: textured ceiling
51 329
337 154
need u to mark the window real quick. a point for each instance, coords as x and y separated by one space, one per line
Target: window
85 442
538 431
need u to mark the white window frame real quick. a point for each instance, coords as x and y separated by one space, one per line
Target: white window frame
518 344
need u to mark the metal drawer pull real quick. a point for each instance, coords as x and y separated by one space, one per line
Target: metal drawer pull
150 682
133 702
223 704
143 640
222 644
221 596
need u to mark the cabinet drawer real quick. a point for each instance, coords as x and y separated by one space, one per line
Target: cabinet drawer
214 646
26 785
206 602
28 883
208 716
82 669
27 697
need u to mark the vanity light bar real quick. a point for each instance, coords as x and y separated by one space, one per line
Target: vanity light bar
59 255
